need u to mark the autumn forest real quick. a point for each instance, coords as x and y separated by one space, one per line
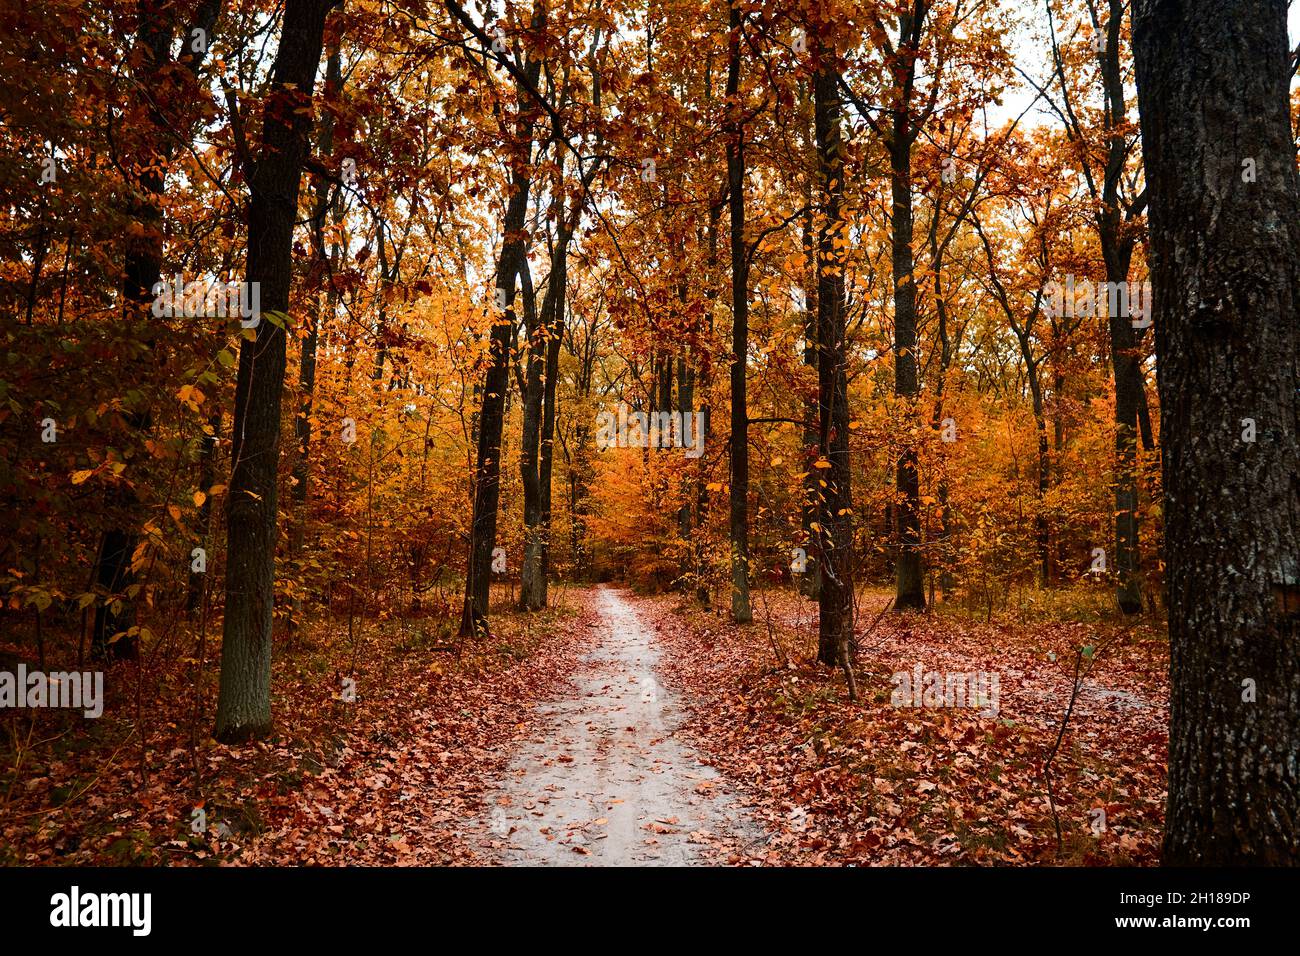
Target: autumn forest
732 433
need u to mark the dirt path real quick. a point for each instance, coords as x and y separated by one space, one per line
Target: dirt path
604 781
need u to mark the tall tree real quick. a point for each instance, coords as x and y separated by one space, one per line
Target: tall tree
1104 156
1213 78
274 175
834 524
741 612
487 469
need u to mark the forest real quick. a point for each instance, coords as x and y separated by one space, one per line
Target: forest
649 432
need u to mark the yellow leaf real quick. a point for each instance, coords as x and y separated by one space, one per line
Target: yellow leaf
199 498
79 476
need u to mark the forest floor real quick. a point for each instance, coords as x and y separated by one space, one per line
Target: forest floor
617 729
871 783
389 778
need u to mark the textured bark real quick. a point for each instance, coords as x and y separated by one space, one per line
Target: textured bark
244 704
1212 80
741 612
834 553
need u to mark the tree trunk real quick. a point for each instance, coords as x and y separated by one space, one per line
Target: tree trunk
549 411
910 575
244 704
834 501
741 612
487 469
1117 251
536 451
1213 80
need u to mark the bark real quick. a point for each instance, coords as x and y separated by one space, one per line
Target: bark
244 704
741 612
909 572
686 399
834 501
1213 80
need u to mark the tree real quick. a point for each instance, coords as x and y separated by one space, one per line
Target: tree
741 611
903 127
487 469
244 704
1104 156
1225 222
834 525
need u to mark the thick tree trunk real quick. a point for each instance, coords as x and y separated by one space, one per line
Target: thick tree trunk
244 704
1213 80
741 612
834 501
